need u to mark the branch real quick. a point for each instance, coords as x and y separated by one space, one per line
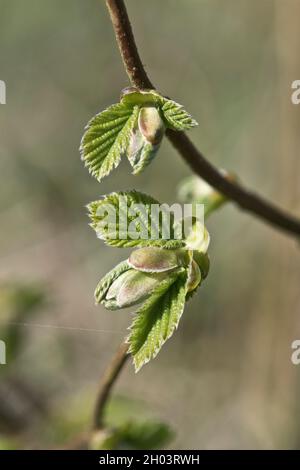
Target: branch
108 379
81 442
245 199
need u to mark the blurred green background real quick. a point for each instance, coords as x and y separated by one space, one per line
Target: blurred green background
225 380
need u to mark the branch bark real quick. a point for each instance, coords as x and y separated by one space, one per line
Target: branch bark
107 381
245 199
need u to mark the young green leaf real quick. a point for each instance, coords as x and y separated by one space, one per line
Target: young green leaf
108 279
157 319
134 127
197 238
146 138
132 288
107 138
141 154
125 219
176 117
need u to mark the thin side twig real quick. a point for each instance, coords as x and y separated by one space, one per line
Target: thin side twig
107 381
245 199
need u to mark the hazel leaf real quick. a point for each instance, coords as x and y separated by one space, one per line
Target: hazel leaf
136 286
156 320
107 138
134 127
108 279
176 117
141 153
125 219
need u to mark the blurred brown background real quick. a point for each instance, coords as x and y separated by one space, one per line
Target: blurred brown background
225 380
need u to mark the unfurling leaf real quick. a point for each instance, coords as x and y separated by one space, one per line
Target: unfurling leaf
107 138
173 114
134 127
146 138
133 219
198 237
157 319
194 276
131 288
176 117
108 279
163 273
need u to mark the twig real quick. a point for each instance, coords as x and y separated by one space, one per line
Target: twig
108 379
245 199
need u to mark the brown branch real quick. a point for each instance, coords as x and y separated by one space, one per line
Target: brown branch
245 199
107 381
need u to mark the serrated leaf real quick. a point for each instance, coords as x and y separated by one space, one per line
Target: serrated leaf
108 279
176 117
141 153
157 319
125 219
110 133
107 138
